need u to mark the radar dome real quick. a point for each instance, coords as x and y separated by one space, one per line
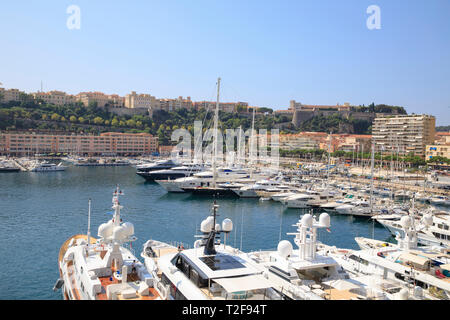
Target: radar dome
324 219
405 222
307 220
418 292
284 248
206 226
105 229
128 228
227 225
197 243
402 294
217 227
428 219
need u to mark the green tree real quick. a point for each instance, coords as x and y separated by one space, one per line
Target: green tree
98 120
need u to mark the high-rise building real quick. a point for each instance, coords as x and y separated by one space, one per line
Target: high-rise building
403 134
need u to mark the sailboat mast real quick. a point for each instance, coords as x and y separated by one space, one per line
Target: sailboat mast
89 224
215 144
371 176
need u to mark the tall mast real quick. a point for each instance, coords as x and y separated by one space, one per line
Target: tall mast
215 145
89 224
371 175
252 145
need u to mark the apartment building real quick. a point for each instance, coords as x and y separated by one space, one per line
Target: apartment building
110 143
55 97
102 99
10 95
441 146
404 133
135 101
302 140
223 106
175 104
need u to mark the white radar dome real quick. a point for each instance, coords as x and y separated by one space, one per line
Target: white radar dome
227 225
402 294
428 220
307 220
405 222
206 226
324 220
284 248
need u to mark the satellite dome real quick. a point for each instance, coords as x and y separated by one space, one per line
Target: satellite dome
284 248
324 219
418 292
197 243
217 227
307 220
206 226
403 294
227 225
405 222
428 219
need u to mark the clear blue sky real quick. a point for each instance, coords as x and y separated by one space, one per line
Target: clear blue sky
266 52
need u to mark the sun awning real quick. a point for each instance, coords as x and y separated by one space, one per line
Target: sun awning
245 283
445 267
407 257
341 284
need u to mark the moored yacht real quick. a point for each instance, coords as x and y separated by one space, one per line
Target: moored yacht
103 268
424 273
47 167
185 170
204 179
210 270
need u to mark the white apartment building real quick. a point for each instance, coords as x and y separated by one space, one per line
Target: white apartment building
404 133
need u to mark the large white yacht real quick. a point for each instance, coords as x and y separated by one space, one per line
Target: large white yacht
423 272
250 191
104 269
204 179
47 167
307 273
184 170
210 270
434 232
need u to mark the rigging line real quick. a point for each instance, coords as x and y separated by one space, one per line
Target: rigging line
242 226
281 222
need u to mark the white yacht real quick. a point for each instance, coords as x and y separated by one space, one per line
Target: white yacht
249 191
47 167
307 273
429 232
440 201
424 273
359 208
103 268
204 179
210 270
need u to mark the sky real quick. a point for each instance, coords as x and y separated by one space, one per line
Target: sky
266 52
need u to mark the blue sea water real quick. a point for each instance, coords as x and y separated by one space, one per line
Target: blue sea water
39 211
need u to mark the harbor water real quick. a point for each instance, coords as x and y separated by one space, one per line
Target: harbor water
39 211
